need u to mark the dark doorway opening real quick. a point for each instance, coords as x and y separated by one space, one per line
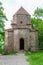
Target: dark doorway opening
21 44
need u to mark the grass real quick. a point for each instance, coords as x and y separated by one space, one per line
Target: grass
1 50
35 58
9 53
12 53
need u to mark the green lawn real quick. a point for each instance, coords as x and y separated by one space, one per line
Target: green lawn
5 53
12 53
35 58
1 50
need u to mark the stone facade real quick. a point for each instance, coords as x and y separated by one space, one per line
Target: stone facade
21 36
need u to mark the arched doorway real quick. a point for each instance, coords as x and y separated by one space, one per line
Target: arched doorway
21 44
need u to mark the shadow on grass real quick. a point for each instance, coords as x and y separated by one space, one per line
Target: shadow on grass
10 53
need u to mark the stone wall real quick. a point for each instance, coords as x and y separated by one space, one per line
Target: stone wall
34 40
12 40
9 46
18 34
6 38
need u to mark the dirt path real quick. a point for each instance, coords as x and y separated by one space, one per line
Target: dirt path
19 59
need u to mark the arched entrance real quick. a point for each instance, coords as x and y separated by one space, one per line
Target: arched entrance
21 44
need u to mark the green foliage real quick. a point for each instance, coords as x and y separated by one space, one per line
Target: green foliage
38 12
37 23
35 58
2 30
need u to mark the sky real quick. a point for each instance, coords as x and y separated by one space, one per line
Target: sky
11 6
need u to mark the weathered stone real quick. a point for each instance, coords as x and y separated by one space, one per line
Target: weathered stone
22 36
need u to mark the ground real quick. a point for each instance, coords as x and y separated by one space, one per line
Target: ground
19 59
35 58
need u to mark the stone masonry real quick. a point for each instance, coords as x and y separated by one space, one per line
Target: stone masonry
21 36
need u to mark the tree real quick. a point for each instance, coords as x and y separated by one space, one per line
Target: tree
37 22
2 21
38 13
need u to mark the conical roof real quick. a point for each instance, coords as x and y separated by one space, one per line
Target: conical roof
22 11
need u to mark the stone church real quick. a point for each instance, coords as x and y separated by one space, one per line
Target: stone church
22 36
